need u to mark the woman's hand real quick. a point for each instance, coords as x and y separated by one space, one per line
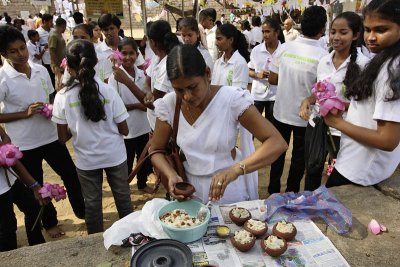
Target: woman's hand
33 109
120 75
220 181
149 98
171 185
304 111
333 119
38 196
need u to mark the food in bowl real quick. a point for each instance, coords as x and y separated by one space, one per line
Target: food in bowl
179 218
239 215
273 245
256 227
243 240
285 230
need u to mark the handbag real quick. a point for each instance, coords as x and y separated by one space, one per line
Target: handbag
315 154
171 153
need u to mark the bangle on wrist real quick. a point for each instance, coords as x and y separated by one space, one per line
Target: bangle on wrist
242 166
36 183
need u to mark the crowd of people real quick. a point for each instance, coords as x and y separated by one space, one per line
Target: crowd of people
222 80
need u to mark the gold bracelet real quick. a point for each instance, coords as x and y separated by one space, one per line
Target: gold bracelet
242 166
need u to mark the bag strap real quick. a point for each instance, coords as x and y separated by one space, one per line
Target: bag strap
145 151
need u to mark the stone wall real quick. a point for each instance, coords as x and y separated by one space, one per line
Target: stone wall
15 7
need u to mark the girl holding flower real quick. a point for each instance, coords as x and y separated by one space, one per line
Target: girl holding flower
369 146
93 114
337 69
25 88
16 191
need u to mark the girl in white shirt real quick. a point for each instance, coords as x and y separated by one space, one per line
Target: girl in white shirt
162 40
138 124
24 88
189 28
207 134
260 58
340 67
369 146
94 115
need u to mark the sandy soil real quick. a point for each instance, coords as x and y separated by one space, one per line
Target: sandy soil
76 227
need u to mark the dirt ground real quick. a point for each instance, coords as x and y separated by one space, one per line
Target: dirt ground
73 226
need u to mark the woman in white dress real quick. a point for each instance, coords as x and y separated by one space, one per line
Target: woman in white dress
207 131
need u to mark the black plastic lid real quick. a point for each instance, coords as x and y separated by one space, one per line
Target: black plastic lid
163 253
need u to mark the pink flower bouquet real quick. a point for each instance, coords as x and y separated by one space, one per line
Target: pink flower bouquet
325 93
9 154
52 191
47 110
116 58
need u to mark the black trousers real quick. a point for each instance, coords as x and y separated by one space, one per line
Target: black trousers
313 179
59 159
267 107
297 166
26 202
134 148
51 73
336 179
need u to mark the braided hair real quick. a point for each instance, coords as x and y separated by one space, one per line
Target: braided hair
82 58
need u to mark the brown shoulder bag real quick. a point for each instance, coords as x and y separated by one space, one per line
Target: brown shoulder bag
171 154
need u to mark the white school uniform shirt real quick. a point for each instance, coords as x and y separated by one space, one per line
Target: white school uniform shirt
326 71
234 72
4 187
159 80
44 39
357 162
249 37
33 50
137 122
296 64
291 34
99 144
17 92
211 42
207 144
257 35
260 59
207 57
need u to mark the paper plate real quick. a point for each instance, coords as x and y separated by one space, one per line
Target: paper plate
163 253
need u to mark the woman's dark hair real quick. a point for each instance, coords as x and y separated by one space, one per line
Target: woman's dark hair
107 19
93 23
81 57
274 24
128 41
313 21
256 21
180 62
84 27
363 86
208 13
192 24
239 40
245 25
355 24
160 32
78 17
9 34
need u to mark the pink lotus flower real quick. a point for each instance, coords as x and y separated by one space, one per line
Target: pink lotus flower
63 64
9 154
325 93
376 228
52 191
47 110
116 58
